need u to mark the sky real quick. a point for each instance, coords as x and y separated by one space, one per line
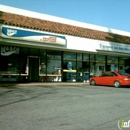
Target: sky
114 14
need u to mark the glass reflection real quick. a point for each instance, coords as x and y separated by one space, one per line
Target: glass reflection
54 66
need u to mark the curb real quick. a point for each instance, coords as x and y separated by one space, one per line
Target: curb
53 84
42 84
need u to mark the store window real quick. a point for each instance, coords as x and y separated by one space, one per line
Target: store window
124 64
112 63
121 64
79 56
69 67
100 59
86 57
93 67
43 66
24 64
79 68
92 58
54 66
99 64
9 66
86 68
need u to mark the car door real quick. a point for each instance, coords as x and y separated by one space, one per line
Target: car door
112 77
103 79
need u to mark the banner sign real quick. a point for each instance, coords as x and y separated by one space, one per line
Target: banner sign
28 35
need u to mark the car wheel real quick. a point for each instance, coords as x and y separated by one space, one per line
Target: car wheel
93 82
117 84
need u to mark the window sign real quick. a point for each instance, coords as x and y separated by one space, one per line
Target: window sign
112 59
100 58
54 55
71 56
8 50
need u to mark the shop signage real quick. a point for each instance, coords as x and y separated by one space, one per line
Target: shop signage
115 47
53 56
70 56
8 50
29 35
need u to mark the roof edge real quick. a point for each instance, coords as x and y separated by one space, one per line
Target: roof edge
33 14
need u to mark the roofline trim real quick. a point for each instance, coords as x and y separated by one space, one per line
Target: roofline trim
33 14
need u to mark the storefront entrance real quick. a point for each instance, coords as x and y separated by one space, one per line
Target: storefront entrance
33 69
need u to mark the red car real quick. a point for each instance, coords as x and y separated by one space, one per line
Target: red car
112 78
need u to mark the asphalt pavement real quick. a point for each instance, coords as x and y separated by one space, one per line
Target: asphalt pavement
63 107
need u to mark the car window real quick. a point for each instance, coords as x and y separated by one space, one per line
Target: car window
108 74
124 73
104 74
113 74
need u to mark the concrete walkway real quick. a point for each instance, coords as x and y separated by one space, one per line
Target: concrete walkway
45 84
53 84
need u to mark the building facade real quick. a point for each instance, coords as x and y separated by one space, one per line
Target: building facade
40 48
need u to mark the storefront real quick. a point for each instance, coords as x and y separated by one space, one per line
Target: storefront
20 64
30 55
24 64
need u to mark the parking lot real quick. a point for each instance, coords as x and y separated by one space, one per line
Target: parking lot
57 107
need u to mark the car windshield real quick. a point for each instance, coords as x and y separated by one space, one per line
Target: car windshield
124 73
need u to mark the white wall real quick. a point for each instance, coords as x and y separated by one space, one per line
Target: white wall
85 44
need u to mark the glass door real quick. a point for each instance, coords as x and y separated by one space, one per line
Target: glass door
33 69
69 67
112 63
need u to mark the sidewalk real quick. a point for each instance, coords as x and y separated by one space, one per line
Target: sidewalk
53 84
44 84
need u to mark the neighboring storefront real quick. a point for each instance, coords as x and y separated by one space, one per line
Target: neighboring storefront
28 55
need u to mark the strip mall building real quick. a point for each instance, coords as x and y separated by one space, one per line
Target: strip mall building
37 47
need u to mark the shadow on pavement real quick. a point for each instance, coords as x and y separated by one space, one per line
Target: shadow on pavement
8 85
28 98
